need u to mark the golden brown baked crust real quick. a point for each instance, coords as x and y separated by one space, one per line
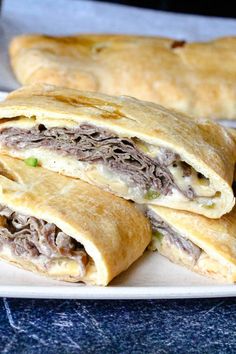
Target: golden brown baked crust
217 238
203 144
112 230
196 78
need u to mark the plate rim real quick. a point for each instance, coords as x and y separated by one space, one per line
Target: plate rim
85 292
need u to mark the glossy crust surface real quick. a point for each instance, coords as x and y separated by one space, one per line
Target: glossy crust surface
203 144
112 230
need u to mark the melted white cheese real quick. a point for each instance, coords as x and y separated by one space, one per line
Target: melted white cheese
58 266
201 186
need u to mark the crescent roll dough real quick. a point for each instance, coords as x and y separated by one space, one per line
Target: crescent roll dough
65 228
135 149
203 245
196 78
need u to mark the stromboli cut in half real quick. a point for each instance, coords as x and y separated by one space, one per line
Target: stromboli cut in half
201 244
197 78
65 228
135 149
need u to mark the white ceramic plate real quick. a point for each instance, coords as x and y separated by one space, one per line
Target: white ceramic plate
151 277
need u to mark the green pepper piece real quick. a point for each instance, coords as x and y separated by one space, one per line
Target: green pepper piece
209 206
31 161
151 194
158 235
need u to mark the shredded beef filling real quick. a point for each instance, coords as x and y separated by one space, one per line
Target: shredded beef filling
173 237
95 145
31 237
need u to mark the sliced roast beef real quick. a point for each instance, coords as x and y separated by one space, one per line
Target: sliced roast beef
29 236
95 145
173 237
168 157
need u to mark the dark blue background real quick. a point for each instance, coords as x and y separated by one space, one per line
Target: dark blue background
206 7
155 326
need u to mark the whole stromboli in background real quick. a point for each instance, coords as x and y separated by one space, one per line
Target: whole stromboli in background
135 149
196 78
65 228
